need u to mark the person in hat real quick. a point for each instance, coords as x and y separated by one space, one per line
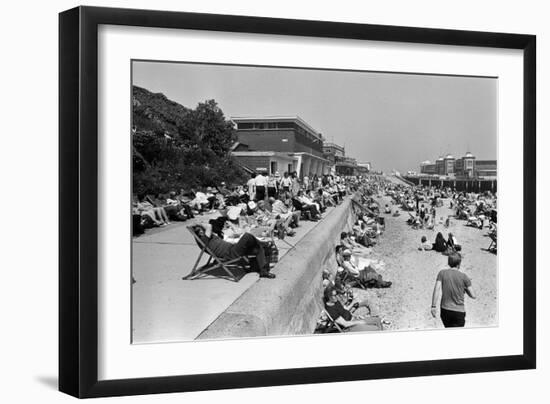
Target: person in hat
248 245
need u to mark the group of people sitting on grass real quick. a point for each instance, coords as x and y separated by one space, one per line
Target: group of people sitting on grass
289 193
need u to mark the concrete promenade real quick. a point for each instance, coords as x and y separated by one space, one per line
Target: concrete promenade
166 308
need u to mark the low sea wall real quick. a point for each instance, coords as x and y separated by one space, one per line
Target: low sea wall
291 303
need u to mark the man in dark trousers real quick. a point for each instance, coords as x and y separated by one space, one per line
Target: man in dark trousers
453 285
247 245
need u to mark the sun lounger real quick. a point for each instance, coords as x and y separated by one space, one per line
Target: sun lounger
232 269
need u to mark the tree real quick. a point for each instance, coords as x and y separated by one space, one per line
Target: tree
176 147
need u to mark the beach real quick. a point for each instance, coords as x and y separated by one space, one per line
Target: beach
406 304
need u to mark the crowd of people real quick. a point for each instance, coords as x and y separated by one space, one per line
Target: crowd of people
355 268
477 209
422 203
286 194
243 219
275 205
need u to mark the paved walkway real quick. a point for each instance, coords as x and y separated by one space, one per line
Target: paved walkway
166 308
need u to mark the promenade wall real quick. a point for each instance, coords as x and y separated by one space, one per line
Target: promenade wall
291 303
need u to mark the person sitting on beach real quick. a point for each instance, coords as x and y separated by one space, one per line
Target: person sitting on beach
247 245
363 234
430 224
440 245
387 209
425 245
452 243
349 243
367 276
475 221
344 316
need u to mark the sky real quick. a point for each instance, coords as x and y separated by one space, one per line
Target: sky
393 120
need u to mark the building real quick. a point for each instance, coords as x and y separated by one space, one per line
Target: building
332 151
363 167
346 166
449 165
427 167
486 168
440 166
279 144
465 167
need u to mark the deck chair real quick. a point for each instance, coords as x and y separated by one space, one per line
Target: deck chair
225 268
351 281
270 230
327 324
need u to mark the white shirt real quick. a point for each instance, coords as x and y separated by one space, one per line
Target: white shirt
260 181
286 182
352 269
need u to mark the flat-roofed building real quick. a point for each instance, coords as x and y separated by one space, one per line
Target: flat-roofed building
278 142
346 166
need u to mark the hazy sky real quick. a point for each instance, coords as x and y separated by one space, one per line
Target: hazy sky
395 121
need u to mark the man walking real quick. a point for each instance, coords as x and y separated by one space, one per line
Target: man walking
453 284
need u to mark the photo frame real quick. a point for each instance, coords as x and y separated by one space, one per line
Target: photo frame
80 171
